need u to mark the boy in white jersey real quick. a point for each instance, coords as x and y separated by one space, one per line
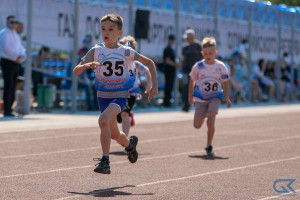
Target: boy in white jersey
205 89
135 90
113 64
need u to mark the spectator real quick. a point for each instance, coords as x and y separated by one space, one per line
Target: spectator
19 102
242 77
84 83
191 52
285 84
270 70
89 35
12 55
235 81
170 69
240 53
85 45
38 60
20 30
255 80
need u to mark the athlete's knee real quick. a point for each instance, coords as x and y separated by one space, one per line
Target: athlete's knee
124 115
115 137
197 125
211 119
103 121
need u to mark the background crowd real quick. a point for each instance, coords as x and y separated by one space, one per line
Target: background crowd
249 82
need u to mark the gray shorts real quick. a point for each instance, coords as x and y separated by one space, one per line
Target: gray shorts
202 108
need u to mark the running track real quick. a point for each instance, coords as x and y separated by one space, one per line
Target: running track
50 157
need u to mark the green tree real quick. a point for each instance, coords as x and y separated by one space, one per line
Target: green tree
292 3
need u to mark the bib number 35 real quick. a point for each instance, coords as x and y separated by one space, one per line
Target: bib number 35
118 68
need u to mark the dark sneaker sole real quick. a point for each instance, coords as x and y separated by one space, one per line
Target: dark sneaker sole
132 159
102 171
135 139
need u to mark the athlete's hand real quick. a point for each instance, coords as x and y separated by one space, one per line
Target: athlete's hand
152 93
93 65
191 101
228 102
148 88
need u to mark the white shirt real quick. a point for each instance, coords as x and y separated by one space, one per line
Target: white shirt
116 74
242 49
209 79
10 45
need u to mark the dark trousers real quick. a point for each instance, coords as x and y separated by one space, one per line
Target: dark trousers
170 74
37 79
185 92
10 70
86 88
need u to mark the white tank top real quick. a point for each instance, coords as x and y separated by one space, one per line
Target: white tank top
116 72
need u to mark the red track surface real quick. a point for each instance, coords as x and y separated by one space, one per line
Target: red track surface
252 152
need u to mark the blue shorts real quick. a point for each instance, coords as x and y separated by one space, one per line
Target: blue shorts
103 103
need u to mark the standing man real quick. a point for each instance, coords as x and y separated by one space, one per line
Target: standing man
11 54
191 52
170 69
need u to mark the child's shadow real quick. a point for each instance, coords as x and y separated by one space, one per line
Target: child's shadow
123 153
110 192
206 157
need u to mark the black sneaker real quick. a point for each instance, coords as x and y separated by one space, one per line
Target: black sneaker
210 151
103 166
132 153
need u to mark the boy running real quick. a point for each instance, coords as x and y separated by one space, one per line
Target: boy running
134 92
113 64
205 89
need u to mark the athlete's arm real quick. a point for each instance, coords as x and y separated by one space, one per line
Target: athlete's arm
226 93
83 66
148 62
191 90
86 62
148 77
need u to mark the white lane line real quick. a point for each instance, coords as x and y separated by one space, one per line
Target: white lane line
290 194
45 138
194 176
145 159
97 147
97 133
117 145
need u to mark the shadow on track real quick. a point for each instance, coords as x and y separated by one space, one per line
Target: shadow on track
206 157
123 153
110 192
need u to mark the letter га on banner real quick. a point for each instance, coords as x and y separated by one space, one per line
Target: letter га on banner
53 21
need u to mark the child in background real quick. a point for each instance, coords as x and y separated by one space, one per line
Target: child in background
205 88
125 116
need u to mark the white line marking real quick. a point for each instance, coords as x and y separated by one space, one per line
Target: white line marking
92 148
145 159
97 133
283 195
97 147
195 176
45 138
